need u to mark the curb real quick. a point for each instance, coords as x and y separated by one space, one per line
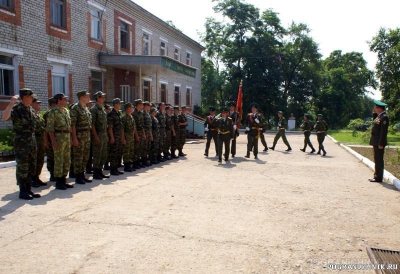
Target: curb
13 163
387 176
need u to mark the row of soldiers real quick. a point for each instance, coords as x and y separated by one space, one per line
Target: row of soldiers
142 135
217 129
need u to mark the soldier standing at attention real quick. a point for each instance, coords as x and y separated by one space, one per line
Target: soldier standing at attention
263 128
378 139
81 124
100 138
89 164
139 143
175 137
282 124
225 133
149 135
253 131
182 130
128 136
169 131
307 127
321 127
162 122
23 119
155 144
58 127
47 142
235 116
114 131
39 136
212 131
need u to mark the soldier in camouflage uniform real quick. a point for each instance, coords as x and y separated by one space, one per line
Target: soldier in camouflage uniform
128 136
162 120
282 124
182 130
140 141
114 132
307 126
149 136
23 119
155 144
89 164
47 141
81 123
169 131
321 127
58 127
175 137
100 137
39 135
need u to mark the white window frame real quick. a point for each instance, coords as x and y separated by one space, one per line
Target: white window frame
63 15
11 7
14 54
146 41
56 63
163 48
188 60
190 96
145 87
177 54
127 33
98 19
101 77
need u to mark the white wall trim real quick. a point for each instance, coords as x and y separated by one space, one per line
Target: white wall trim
189 52
163 82
96 68
189 87
60 61
177 85
96 6
11 52
147 31
125 21
147 79
163 39
178 47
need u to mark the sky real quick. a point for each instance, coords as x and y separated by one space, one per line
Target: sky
345 25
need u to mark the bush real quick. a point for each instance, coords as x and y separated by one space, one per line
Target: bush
7 137
353 124
197 110
392 129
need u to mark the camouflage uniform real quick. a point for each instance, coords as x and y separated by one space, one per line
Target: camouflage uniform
128 128
168 132
147 129
182 132
307 126
282 123
139 145
99 122
161 117
321 127
49 150
114 122
39 135
82 120
59 122
175 139
155 144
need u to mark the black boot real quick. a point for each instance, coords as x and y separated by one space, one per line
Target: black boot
89 170
79 179
312 150
273 148
324 152
303 149
30 192
181 153
173 155
127 167
97 174
23 194
319 152
135 165
265 149
103 175
160 159
60 183
72 174
40 182
52 178
86 180
34 183
114 171
64 180
288 149
154 160
107 166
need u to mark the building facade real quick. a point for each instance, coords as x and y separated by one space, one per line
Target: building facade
54 46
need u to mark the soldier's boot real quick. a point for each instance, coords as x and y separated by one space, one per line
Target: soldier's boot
288 149
34 183
273 147
89 170
141 163
64 180
265 149
303 149
114 171
60 183
30 192
146 162
120 163
102 174
86 180
52 178
78 179
154 160
40 182
312 150
324 152
107 166
127 167
23 194
120 172
135 165
160 158
181 153
173 154
97 174
319 151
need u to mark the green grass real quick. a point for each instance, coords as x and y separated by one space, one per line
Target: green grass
361 138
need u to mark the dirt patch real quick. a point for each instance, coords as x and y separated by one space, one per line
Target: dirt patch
392 158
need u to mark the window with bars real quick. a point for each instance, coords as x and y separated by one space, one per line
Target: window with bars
176 96
146 44
124 34
95 24
59 78
163 49
7 4
57 13
6 75
97 81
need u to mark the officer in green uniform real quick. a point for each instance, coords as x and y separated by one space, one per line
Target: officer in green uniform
39 135
235 116
307 126
58 127
212 131
175 134
321 127
282 124
114 132
224 124
253 125
128 136
100 137
47 141
22 116
378 139
81 123
263 128
182 130
140 142
155 144
161 117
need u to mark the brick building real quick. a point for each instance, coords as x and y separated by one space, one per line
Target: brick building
54 46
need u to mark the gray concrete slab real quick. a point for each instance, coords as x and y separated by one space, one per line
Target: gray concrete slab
284 213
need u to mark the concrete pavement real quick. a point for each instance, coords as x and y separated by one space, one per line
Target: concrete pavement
284 213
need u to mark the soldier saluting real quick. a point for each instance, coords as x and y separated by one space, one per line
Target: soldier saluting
225 133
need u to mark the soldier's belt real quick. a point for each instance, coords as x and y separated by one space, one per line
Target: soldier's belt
281 128
213 129
82 129
61 131
254 128
224 132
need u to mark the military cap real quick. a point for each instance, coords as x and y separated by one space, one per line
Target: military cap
223 109
320 115
128 105
231 104
168 107
281 112
60 96
117 101
25 92
36 100
153 110
212 108
138 101
183 107
176 107
91 102
82 93
146 103
98 94
152 104
107 106
50 100
379 103
254 105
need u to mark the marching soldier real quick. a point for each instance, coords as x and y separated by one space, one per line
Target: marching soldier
282 124
39 135
47 141
149 135
307 126
81 123
128 136
175 133
141 134
253 131
182 130
161 117
114 132
58 127
263 128
378 139
321 127
169 131
212 131
235 116
100 137
225 133
155 144
23 118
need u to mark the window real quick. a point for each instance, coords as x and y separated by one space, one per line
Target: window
188 58
124 35
126 94
176 54
6 75
59 78
57 12
163 91
7 4
162 49
188 97
146 91
146 44
97 81
95 21
176 96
